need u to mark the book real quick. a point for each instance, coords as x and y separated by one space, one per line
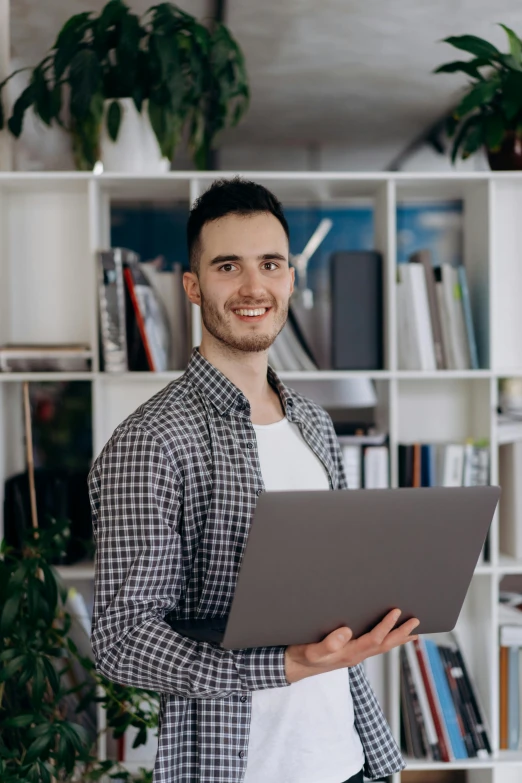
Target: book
352 465
134 315
416 478
405 455
428 465
45 357
357 310
468 316
462 718
513 697
446 703
452 317
376 467
415 728
431 734
150 315
452 464
111 297
471 698
423 257
446 750
503 694
415 320
168 285
476 464
510 506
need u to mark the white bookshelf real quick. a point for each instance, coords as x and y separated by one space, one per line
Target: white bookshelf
51 224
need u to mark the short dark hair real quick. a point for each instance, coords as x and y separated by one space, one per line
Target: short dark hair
225 197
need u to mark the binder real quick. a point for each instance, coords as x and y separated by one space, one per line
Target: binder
357 310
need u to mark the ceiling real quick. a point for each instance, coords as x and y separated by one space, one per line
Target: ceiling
354 74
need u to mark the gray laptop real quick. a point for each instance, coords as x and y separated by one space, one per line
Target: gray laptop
316 560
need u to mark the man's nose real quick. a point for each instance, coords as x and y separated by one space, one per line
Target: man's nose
251 283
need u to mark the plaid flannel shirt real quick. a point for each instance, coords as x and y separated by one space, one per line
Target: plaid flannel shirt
172 493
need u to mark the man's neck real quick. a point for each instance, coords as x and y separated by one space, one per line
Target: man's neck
247 371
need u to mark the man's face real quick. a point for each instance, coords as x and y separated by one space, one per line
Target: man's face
244 266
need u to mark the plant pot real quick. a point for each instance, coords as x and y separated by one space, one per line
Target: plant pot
136 148
509 156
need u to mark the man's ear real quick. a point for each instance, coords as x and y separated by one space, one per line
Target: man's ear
191 286
292 279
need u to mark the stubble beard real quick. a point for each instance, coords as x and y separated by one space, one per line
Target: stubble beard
220 329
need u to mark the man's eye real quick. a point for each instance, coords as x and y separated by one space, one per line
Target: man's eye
226 267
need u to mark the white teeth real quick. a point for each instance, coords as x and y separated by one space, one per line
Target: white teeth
251 312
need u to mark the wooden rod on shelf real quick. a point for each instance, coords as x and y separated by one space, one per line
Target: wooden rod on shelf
29 453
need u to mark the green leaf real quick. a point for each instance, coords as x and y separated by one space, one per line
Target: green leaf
52 675
51 588
18 722
509 62
15 122
494 130
511 100
477 46
465 128
85 81
481 94
68 41
471 68
114 119
515 44
9 612
474 140
8 671
37 748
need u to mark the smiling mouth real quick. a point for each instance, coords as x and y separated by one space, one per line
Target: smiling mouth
251 313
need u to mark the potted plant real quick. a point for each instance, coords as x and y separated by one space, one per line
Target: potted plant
490 113
164 67
45 733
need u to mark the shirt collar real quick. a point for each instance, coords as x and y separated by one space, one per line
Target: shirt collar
224 395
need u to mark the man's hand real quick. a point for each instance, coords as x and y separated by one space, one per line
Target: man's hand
338 650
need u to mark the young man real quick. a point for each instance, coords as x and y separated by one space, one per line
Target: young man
173 493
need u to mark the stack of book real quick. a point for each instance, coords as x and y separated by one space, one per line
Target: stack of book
366 460
144 314
510 660
442 719
43 357
444 464
434 319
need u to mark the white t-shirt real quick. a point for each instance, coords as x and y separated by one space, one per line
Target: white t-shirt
302 733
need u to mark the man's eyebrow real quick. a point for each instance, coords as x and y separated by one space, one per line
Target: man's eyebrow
229 257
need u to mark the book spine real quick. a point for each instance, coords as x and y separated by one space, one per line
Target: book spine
446 751
139 317
417 728
446 703
513 698
468 317
462 718
504 739
431 733
472 699
424 257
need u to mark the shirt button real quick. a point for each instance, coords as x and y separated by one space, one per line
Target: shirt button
242 698
250 445
241 754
